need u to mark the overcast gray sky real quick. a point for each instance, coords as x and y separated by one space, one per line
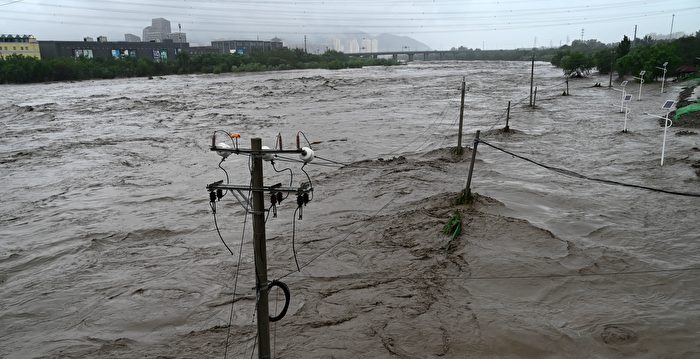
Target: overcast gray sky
441 24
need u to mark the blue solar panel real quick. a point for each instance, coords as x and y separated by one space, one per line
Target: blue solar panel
668 104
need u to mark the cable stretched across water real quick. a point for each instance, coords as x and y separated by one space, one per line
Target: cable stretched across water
578 175
517 276
338 242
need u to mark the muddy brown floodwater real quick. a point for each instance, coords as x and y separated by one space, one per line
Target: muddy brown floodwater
108 246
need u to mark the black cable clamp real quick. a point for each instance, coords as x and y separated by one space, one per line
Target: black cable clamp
287 296
273 201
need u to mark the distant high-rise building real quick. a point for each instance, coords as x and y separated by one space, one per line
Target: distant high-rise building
337 45
150 33
131 38
375 45
159 30
353 46
102 38
161 25
88 39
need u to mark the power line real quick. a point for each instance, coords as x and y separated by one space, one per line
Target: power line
304 27
314 258
512 277
11 2
302 13
578 175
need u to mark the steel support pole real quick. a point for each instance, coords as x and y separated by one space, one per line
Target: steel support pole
507 118
532 77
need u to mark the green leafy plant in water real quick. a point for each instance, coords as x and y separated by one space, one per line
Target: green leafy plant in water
453 227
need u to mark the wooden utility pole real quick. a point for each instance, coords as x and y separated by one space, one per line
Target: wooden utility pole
461 118
260 251
258 190
532 77
468 190
507 118
567 86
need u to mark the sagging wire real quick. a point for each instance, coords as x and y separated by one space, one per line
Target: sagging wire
294 230
238 267
291 174
274 331
570 173
232 136
332 164
519 276
311 186
306 139
340 241
215 196
255 343
223 169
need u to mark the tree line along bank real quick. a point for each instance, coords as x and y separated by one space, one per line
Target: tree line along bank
21 69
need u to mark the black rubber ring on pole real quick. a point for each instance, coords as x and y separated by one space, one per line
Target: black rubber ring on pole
287 297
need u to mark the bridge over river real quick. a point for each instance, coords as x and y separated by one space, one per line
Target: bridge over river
462 54
419 55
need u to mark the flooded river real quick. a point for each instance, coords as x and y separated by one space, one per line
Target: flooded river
108 247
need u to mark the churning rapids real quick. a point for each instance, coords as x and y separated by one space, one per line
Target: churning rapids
108 246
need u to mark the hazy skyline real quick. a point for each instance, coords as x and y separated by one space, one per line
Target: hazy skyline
440 24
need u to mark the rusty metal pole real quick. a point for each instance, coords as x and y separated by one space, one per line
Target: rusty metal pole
468 190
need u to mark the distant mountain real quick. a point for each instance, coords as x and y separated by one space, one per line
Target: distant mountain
389 42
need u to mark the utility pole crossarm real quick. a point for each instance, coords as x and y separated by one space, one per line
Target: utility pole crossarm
252 151
275 188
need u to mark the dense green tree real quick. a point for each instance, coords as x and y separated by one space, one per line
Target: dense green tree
19 69
576 64
603 60
623 48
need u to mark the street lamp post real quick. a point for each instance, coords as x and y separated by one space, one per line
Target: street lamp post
622 99
663 79
668 105
641 82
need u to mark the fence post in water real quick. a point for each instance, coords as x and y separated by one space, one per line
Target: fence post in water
461 119
534 99
532 77
259 251
468 190
567 86
506 129
612 64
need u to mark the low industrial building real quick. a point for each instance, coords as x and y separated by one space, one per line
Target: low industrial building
155 51
25 45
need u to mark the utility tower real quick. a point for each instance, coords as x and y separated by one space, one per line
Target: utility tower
258 190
